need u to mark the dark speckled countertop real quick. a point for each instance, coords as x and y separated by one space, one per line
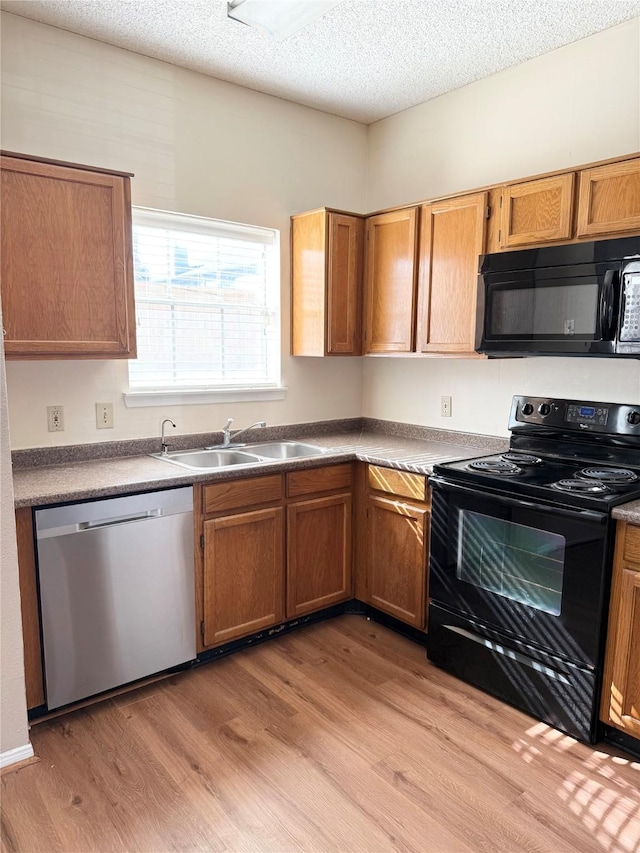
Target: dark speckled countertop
400 446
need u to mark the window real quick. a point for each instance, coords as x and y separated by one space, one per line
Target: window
207 305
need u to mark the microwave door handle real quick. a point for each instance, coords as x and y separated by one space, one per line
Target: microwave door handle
607 301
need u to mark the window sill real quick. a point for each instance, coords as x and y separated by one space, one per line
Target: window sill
198 396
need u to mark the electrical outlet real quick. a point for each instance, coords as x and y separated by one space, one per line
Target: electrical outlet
55 418
445 407
104 415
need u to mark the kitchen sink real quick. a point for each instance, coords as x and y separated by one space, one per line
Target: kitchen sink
251 454
208 459
284 449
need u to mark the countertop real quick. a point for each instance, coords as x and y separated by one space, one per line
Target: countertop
94 478
50 484
628 512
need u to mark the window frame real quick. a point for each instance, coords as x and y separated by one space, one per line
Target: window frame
139 395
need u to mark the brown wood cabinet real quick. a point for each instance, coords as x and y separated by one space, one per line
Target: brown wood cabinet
271 548
34 678
318 553
396 544
621 683
452 236
67 272
243 574
537 211
240 529
609 199
326 283
390 281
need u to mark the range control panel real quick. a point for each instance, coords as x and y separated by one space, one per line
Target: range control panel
576 415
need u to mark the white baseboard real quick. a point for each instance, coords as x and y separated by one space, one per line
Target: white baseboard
12 756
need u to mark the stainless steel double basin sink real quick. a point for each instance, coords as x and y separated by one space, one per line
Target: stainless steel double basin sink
244 454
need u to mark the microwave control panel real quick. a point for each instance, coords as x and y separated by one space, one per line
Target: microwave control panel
630 319
528 413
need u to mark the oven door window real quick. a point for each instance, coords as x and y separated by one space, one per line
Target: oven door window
522 563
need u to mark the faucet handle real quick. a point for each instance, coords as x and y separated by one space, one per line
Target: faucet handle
227 425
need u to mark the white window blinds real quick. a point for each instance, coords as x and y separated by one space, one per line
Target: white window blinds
207 303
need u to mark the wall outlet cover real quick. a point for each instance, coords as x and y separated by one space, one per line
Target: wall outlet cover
55 418
445 407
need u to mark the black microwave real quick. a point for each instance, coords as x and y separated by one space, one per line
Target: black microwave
574 299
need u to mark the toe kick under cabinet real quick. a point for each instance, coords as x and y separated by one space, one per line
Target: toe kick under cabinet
271 548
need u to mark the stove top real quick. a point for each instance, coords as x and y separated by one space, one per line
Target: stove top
564 452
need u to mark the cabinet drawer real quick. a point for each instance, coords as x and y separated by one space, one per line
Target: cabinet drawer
398 483
239 493
314 480
632 544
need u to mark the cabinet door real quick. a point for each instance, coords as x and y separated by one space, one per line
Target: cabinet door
609 200
451 239
624 635
344 286
621 681
390 273
243 574
67 275
396 559
326 283
318 553
537 211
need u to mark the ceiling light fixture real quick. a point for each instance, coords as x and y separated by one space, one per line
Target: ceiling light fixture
278 18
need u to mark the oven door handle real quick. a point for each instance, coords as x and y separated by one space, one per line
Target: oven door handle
600 517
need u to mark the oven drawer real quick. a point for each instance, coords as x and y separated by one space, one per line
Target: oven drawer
554 691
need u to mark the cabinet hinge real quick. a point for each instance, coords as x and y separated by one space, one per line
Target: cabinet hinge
500 201
202 540
202 631
500 237
488 213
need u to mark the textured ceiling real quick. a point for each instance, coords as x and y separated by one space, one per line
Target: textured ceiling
364 59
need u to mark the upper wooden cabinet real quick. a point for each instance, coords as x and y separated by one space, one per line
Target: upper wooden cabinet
537 211
609 201
621 683
390 278
67 273
452 236
326 282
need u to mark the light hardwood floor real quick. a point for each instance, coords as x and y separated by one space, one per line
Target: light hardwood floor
340 737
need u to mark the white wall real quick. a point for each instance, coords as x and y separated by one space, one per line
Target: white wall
196 145
578 104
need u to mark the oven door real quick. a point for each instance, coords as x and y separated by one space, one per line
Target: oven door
534 572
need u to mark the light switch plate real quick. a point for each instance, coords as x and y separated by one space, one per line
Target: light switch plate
104 415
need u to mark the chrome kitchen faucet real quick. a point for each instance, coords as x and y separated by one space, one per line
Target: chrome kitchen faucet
227 437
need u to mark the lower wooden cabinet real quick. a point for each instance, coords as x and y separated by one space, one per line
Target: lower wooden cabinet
396 544
318 553
621 685
243 574
272 548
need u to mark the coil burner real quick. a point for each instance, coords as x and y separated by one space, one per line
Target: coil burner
495 466
581 487
611 476
525 459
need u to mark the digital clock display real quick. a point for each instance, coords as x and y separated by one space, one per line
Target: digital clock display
587 415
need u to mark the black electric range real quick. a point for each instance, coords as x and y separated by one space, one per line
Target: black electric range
521 557
567 452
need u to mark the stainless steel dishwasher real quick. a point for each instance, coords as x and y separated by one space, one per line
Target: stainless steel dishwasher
116 591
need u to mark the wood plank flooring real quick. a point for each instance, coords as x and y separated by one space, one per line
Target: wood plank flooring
340 737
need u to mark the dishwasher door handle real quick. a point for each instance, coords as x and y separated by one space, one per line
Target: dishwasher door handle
121 519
